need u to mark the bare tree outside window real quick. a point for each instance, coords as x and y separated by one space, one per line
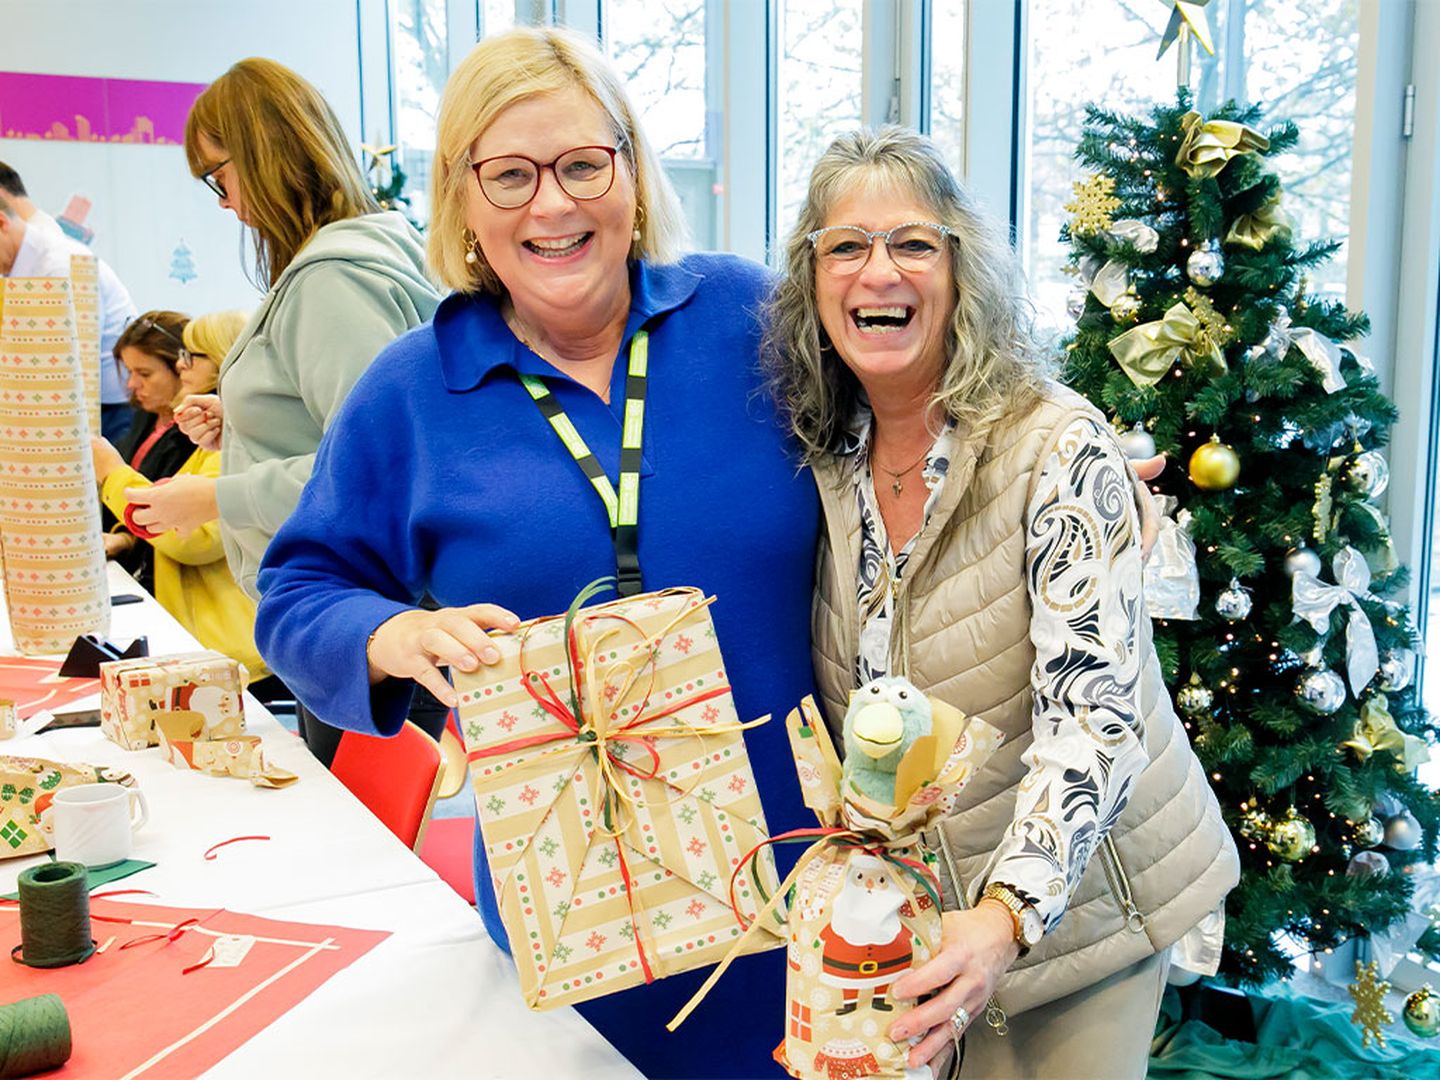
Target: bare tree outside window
820 84
421 63
659 48
947 81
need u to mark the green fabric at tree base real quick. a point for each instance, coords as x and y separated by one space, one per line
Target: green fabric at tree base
1297 1039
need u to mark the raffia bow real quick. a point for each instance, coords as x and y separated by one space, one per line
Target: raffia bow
1313 601
1209 145
1146 352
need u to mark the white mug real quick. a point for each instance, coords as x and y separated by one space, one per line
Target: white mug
94 823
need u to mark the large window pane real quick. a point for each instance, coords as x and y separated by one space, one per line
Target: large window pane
659 49
947 82
496 15
421 62
820 87
1298 61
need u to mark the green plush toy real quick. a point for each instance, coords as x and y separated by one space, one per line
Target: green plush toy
885 718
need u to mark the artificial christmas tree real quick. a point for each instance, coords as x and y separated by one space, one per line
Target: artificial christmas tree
1294 673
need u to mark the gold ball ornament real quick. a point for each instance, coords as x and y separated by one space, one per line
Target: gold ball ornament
1214 466
1291 838
1422 1013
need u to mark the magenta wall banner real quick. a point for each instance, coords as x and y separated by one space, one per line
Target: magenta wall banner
70 108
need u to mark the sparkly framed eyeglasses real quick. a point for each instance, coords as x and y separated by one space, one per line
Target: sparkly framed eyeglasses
915 246
510 181
210 180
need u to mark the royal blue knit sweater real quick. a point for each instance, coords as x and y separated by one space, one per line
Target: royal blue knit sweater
440 475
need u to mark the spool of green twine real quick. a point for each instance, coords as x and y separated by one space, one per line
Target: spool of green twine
34 1036
54 916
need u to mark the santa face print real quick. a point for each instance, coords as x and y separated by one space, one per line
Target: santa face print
865 945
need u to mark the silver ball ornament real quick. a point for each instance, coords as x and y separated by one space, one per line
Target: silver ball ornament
1205 266
1320 690
1125 308
1075 301
1402 832
1233 604
1301 559
1368 475
1397 669
1370 832
1195 699
1367 864
1137 444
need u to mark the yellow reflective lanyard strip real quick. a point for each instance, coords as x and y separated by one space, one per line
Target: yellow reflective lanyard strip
624 508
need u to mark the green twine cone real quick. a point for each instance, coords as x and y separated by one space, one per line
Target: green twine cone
54 916
34 1036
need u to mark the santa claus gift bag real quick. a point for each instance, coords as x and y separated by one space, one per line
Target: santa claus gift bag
863 899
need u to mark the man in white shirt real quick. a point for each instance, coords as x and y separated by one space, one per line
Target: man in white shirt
32 244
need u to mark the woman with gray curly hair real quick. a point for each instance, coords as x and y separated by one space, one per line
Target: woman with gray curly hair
982 541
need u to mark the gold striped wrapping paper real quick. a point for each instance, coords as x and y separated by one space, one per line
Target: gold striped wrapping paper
54 564
85 295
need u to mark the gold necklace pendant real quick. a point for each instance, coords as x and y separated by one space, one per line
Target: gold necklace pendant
897 487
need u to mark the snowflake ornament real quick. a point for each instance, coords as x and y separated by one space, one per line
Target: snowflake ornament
1094 202
1370 1013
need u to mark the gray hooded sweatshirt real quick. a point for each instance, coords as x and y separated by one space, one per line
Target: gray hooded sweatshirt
357 285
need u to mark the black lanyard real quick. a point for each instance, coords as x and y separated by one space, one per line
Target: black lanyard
623 508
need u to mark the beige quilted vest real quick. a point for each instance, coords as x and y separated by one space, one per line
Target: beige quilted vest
962 631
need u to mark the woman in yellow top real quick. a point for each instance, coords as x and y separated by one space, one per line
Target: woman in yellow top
192 579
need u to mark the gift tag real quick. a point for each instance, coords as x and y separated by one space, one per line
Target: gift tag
230 949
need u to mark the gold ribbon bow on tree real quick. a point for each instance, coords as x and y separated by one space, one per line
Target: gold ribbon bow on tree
1209 145
1146 352
1257 228
1313 601
1376 730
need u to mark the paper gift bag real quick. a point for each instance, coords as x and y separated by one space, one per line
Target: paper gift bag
865 906
200 693
27 786
85 294
54 564
615 795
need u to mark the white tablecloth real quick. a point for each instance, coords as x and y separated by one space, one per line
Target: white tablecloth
435 999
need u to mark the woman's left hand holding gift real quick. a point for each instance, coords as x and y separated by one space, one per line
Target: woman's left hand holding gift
977 946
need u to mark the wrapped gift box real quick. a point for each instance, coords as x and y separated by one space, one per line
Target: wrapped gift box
200 694
615 796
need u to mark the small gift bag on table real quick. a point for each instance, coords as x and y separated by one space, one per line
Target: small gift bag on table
865 905
615 795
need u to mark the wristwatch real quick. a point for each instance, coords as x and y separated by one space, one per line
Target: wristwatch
1028 927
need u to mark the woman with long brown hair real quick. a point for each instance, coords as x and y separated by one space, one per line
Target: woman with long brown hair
344 279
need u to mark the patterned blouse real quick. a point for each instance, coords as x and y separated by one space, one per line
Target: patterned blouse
1083 572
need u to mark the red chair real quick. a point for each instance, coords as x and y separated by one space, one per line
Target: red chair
449 846
396 778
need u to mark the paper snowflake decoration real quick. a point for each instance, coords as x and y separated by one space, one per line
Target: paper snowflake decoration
1370 1013
1094 201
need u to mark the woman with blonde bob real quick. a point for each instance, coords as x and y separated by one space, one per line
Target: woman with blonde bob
192 580
344 280
560 237
982 540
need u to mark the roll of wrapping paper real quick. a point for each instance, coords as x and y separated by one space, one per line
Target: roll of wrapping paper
34 1036
54 916
54 563
85 295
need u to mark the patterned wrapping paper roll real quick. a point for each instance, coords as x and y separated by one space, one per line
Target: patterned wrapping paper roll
54 564
85 295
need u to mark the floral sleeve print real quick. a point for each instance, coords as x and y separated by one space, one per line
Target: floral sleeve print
1083 570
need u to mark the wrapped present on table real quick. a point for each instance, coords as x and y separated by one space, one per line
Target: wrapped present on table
27 787
205 688
865 907
190 705
615 795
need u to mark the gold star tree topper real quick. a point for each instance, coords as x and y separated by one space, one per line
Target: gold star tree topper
1369 994
1094 201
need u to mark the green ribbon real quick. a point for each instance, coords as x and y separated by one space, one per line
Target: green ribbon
1210 144
34 1036
1146 352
